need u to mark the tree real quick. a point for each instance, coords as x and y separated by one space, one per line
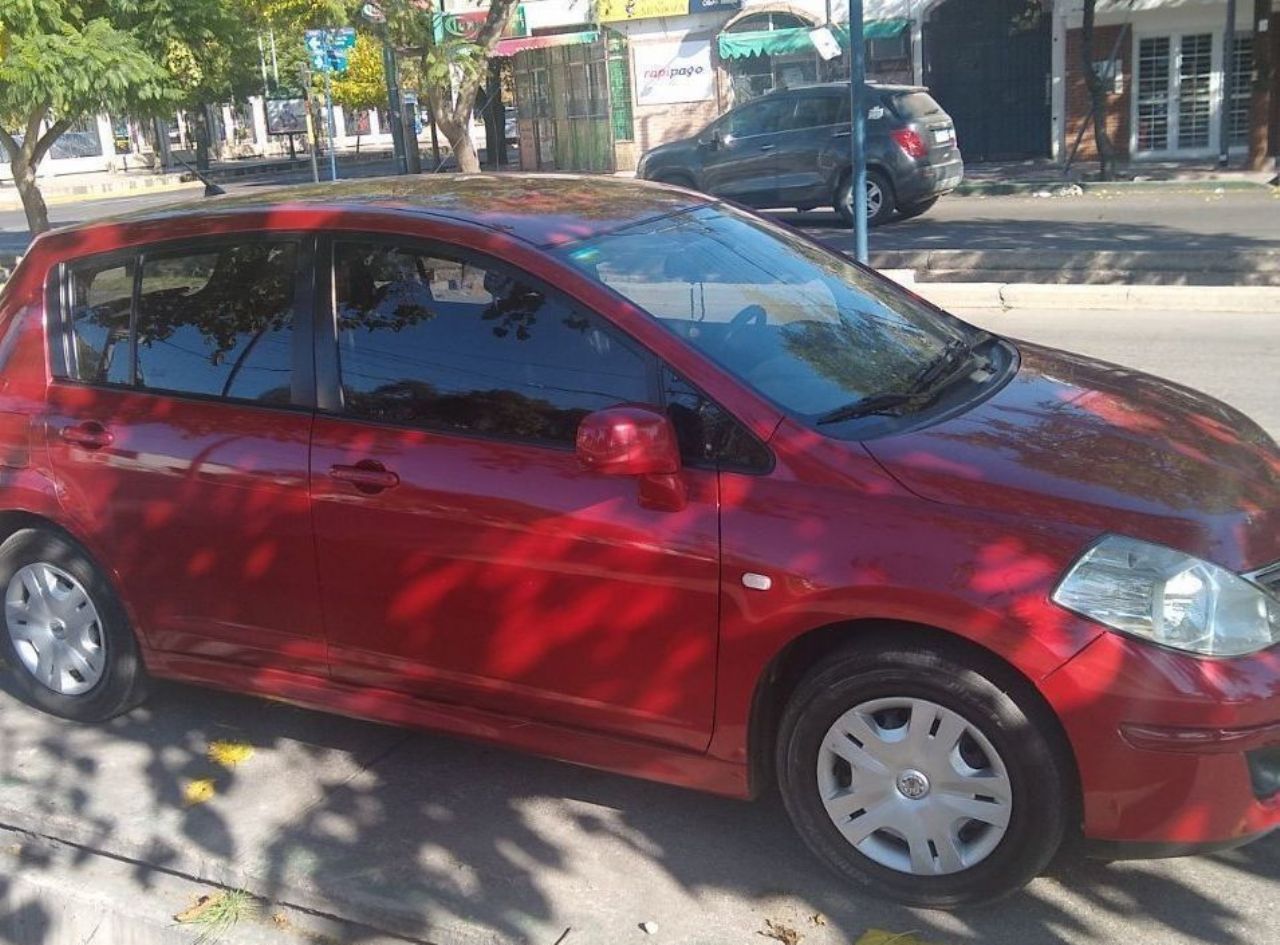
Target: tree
1097 86
1264 82
363 86
452 71
61 62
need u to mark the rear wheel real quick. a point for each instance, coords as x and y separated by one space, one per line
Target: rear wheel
913 774
880 200
915 209
66 639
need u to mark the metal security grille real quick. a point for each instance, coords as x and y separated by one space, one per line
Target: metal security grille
1153 93
1241 88
1195 93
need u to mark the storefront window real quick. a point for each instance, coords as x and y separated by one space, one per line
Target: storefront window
81 140
753 75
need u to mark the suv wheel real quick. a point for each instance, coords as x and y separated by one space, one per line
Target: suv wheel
880 202
66 637
913 774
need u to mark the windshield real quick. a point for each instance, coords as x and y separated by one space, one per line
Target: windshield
801 325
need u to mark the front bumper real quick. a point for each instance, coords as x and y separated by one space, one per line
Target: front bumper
1175 752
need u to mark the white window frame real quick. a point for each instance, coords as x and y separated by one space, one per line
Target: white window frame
1175 73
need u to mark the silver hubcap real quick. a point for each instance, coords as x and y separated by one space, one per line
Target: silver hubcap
55 628
914 786
875 198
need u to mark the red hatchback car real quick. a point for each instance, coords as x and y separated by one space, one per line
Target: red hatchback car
619 474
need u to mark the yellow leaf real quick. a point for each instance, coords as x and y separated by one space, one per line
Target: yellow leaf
229 753
881 937
198 791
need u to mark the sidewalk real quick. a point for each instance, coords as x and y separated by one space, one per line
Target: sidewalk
449 842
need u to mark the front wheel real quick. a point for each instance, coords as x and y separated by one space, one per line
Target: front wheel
911 773
880 199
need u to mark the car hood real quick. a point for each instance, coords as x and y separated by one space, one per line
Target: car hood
1082 441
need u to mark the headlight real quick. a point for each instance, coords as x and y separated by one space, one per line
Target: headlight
1170 598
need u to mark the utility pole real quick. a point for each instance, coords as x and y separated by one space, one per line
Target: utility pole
858 129
373 13
1228 67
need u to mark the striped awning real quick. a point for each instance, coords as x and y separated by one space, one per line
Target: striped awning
509 47
796 39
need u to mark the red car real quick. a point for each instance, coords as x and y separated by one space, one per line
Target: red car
619 474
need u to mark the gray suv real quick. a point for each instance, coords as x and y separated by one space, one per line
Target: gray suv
791 149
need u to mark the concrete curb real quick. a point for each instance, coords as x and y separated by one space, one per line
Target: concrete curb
169 182
1007 188
1259 300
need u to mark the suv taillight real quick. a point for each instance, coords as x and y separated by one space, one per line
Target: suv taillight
910 141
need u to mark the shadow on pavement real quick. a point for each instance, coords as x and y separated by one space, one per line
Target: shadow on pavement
430 836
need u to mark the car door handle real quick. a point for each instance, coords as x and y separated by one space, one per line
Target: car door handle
91 435
767 147
368 476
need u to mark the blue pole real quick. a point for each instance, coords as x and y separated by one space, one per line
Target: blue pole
858 136
333 125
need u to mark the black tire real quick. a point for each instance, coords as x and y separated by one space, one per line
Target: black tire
877 212
123 682
915 209
1024 739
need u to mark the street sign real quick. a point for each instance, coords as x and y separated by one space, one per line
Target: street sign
329 50
344 38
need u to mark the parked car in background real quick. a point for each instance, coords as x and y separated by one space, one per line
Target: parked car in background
791 149
627 476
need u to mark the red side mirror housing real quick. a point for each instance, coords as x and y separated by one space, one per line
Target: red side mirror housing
628 441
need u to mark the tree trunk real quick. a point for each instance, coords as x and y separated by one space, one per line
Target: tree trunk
24 178
1097 93
455 122
1260 103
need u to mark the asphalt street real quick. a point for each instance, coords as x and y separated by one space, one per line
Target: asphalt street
1168 219
484 845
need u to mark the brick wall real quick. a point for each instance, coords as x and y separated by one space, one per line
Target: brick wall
657 124
1077 97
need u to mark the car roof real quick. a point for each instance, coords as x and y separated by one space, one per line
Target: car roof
843 88
542 209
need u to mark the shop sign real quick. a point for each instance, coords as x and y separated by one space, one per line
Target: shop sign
615 11
673 72
465 26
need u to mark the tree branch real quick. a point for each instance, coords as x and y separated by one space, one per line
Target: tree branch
56 131
32 135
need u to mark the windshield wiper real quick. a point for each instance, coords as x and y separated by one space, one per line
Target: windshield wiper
924 385
956 354
891 403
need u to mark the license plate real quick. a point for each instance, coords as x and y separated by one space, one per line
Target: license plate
942 136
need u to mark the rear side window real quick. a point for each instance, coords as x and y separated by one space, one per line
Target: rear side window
453 343
816 111
101 297
219 323
215 323
760 118
915 106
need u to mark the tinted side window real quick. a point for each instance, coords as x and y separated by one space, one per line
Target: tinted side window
101 296
815 111
759 118
451 344
707 434
219 323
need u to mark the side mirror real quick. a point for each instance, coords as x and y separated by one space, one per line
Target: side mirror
711 140
628 441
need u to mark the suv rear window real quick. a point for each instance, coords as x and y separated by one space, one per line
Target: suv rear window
914 106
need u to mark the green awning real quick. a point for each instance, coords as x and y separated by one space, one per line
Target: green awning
796 39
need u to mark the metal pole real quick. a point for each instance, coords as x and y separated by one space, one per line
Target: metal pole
333 125
262 61
858 128
275 63
1228 57
393 104
311 131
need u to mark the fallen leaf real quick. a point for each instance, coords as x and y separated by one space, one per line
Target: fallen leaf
882 937
194 912
818 919
783 933
229 753
198 791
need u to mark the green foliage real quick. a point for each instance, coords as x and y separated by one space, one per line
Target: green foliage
364 84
